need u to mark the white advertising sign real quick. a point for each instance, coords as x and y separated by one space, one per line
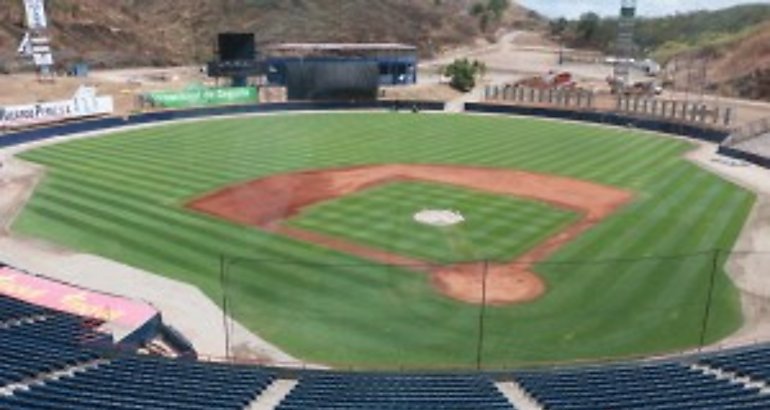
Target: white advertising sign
44 59
36 19
84 104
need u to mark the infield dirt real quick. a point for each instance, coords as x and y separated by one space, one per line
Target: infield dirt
267 202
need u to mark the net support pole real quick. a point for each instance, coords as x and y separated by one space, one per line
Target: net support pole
222 283
709 297
482 313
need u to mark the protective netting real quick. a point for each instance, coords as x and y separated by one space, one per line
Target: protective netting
350 313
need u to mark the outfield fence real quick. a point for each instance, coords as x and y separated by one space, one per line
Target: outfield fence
366 315
16 137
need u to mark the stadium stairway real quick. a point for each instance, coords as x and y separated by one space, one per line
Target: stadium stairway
750 366
518 396
272 396
732 377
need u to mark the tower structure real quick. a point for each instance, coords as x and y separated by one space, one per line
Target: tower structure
624 46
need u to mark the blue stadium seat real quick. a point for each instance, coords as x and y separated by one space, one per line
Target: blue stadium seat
36 341
662 386
749 362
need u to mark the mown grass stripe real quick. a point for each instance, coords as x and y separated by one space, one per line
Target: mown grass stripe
122 196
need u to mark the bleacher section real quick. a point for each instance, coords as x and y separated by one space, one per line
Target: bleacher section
748 362
38 345
55 361
329 390
24 357
12 309
147 383
661 386
35 340
24 319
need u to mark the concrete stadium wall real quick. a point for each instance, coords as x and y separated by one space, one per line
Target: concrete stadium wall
63 129
686 130
745 156
690 131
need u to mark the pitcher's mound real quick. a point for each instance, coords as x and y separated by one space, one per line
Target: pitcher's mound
435 217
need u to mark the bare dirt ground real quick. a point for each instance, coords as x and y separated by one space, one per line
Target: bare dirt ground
521 54
123 85
516 55
267 202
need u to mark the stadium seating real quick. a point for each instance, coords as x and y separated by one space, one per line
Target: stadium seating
36 342
330 390
144 382
748 362
48 363
24 357
661 386
12 309
43 323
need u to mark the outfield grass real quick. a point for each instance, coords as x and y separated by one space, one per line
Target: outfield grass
496 228
122 197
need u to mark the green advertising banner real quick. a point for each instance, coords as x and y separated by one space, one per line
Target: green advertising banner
201 97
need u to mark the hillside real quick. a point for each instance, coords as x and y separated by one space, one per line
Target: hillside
736 66
725 51
653 35
165 32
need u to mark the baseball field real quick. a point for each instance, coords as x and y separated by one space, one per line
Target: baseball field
594 242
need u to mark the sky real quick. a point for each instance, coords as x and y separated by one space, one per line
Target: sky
573 8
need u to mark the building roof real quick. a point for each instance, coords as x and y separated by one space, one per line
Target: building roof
316 47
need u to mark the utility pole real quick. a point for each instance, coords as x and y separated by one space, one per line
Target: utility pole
709 297
482 314
223 268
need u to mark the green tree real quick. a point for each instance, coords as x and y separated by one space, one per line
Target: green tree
463 73
665 36
489 11
558 27
498 7
478 9
587 27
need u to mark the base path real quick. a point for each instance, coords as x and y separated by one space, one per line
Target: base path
267 202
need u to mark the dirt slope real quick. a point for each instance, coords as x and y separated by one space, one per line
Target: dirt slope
162 32
745 70
736 68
